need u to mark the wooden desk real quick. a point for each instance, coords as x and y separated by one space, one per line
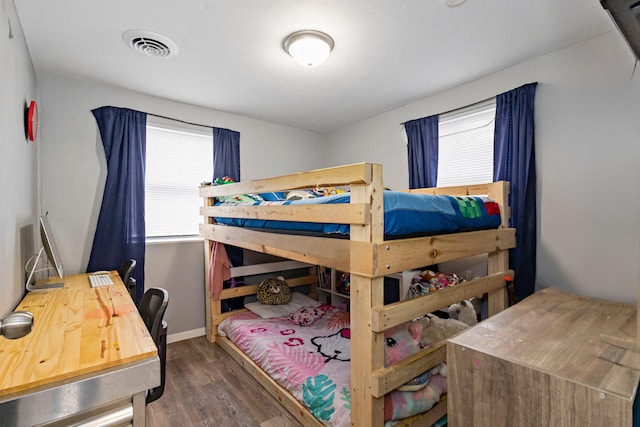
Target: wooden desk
546 361
89 356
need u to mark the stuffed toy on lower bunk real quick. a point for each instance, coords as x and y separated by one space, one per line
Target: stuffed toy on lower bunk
466 310
404 404
435 329
274 291
421 393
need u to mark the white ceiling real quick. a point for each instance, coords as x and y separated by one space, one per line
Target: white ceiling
387 53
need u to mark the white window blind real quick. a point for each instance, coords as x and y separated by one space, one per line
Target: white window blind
465 152
178 159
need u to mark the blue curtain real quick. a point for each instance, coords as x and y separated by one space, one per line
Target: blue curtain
422 135
515 161
226 154
226 162
120 233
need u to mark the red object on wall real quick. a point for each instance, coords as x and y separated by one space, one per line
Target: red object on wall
32 121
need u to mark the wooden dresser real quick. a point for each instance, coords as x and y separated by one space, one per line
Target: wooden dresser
554 359
88 358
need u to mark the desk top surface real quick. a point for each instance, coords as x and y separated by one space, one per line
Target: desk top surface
77 330
565 336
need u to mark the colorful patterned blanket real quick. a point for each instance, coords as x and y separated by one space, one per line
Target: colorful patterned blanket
312 362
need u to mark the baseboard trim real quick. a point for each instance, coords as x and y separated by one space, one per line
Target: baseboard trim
180 336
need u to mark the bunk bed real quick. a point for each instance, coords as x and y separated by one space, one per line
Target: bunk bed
368 256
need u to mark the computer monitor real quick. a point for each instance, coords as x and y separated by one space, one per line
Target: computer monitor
53 255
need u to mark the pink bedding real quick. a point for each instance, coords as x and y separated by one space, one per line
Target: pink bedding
312 362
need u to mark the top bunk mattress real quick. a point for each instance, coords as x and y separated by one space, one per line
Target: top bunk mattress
405 215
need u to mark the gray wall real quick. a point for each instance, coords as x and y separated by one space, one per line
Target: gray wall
74 172
588 160
18 159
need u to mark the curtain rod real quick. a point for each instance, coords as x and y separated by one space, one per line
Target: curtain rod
181 121
456 109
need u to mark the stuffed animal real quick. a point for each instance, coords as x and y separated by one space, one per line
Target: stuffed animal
435 329
223 180
465 311
430 281
329 191
400 342
427 275
274 291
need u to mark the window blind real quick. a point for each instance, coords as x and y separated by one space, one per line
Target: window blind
465 152
178 159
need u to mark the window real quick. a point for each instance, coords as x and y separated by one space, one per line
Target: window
465 151
179 158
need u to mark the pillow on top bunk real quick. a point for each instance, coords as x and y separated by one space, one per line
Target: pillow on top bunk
298 301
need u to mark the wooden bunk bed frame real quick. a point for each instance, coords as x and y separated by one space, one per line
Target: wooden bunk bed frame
368 258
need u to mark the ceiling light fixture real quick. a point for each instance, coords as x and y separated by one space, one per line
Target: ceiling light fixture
309 47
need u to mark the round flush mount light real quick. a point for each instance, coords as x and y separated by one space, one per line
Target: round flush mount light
309 47
149 43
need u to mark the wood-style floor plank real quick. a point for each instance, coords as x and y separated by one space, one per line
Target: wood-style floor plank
205 387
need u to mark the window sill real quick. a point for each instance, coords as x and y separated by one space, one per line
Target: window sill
172 239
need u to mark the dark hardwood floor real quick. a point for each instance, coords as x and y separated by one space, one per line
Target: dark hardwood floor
205 387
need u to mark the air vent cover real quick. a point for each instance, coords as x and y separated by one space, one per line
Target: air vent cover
149 43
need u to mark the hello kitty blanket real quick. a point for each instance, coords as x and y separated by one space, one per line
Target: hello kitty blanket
312 362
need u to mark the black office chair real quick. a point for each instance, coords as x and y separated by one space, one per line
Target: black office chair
131 288
152 307
125 271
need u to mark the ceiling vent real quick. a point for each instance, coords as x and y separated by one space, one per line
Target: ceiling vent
149 43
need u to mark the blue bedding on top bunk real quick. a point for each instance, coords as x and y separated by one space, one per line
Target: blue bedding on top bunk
405 214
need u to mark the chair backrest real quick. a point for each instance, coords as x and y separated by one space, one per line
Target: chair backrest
126 269
152 307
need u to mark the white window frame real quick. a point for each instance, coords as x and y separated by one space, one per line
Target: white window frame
187 167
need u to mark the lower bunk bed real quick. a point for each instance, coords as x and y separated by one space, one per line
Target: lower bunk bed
308 357
368 256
